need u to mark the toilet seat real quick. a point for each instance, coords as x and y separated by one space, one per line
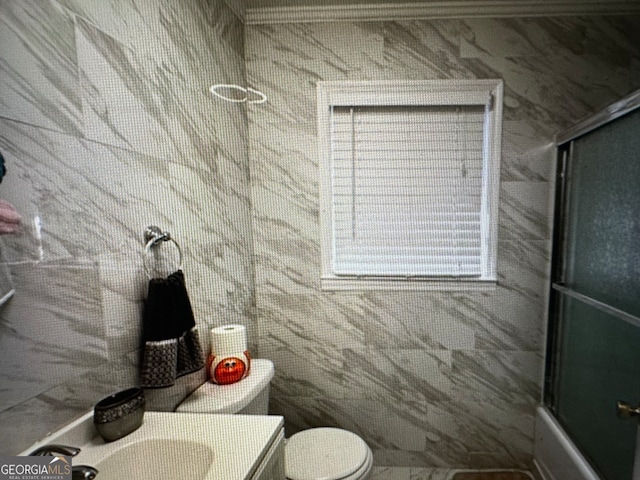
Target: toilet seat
327 454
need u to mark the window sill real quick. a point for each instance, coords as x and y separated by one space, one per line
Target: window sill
406 284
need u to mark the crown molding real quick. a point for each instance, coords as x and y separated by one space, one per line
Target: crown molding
438 9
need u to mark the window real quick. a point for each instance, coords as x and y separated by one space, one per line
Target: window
409 183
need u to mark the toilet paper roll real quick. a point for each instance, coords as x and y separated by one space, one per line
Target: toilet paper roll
228 339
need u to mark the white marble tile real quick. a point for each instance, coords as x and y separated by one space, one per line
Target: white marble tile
411 339
524 211
522 37
334 321
200 40
51 329
145 68
285 248
219 298
554 89
390 473
500 320
380 426
133 102
524 267
63 403
512 378
506 321
383 364
130 21
493 339
304 370
286 172
123 284
285 191
83 201
423 49
291 93
614 38
430 474
415 320
596 81
284 155
483 430
48 415
528 152
354 48
39 66
322 50
211 223
195 40
432 456
395 376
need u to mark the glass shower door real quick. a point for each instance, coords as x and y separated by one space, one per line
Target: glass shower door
595 296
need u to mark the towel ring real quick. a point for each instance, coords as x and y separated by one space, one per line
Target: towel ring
153 235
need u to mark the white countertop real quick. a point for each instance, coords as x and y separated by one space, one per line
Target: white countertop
235 444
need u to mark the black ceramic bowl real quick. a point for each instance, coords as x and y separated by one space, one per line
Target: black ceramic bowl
119 414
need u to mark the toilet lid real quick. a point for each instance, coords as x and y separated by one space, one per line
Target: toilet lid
324 454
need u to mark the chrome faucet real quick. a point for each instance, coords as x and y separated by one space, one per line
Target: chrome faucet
83 472
78 472
54 449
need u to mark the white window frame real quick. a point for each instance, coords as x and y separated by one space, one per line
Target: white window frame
413 93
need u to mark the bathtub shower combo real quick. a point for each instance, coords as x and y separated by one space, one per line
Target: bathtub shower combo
588 427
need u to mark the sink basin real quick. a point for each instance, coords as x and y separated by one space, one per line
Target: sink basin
176 446
153 459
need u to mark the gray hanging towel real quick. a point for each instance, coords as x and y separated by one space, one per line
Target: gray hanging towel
171 343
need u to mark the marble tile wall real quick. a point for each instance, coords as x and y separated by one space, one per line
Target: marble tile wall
429 379
107 127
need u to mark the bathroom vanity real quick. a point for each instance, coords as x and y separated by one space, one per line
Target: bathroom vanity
181 445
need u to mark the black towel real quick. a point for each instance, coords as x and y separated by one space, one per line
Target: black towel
3 169
171 343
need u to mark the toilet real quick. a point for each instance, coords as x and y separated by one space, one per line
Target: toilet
315 454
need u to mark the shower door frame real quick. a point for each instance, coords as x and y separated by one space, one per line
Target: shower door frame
564 144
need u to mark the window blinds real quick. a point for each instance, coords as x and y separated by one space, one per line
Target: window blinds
407 189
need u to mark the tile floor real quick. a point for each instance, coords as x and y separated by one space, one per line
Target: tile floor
415 473
495 475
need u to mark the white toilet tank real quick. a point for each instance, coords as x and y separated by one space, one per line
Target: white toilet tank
249 396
